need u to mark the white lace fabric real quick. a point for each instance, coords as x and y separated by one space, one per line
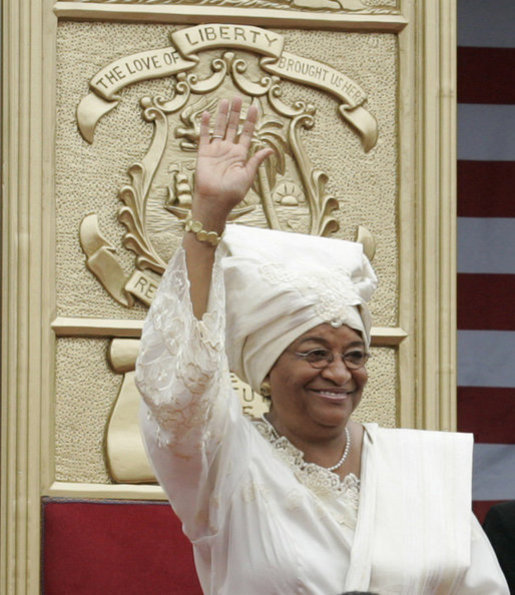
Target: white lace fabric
181 358
323 483
330 292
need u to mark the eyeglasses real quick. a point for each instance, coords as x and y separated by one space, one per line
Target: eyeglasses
321 358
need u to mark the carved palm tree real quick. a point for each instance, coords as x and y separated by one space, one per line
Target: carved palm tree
269 132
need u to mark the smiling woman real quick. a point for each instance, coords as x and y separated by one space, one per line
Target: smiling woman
315 392
303 500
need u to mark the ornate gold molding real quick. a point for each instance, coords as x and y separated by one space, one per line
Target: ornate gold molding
28 63
428 223
182 14
345 6
131 329
438 148
61 489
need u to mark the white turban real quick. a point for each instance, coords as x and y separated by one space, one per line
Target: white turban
280 284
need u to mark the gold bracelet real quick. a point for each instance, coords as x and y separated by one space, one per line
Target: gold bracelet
196 227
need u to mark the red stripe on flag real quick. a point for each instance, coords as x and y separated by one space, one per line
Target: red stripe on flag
485 75
486 188
486 302
487 412
481 507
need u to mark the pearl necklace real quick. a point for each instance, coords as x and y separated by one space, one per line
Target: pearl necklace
345 452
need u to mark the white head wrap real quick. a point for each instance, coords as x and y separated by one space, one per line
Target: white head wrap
280 284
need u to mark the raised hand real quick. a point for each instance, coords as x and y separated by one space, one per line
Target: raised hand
224 170
224 175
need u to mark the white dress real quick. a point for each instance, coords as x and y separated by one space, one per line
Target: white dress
261 520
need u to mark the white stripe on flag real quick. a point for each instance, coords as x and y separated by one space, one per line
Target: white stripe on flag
486 245
486 132
486 23
486 358
494 472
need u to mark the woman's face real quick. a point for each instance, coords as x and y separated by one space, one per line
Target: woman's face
311 401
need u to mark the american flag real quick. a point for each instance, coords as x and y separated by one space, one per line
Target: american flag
486 244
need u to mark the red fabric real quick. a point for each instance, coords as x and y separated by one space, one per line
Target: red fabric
481 507
95 548
485 302
485 75
485 188
487 412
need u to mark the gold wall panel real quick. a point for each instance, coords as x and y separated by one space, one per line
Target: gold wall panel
380 400
364 183
85 391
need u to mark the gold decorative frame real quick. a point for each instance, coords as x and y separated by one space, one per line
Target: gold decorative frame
425 338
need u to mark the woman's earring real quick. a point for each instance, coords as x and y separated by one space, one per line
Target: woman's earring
265 389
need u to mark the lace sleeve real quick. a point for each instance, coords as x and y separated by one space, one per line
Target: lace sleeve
192 422
182 361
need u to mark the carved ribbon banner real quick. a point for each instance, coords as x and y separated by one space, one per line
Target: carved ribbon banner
102 262
203 37
317 74
138 67
119 74
125 452
181 57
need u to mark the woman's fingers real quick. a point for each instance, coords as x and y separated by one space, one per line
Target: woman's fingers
224 168
221 120
257 159
225 136
227 123
204 138
234 119
248 127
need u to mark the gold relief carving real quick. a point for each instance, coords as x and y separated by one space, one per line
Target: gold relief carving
126 456
138 67
203 37
90 109
288 193
109 81
101 261
363 236
312 72
167 61
142 286
252 403
368 7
